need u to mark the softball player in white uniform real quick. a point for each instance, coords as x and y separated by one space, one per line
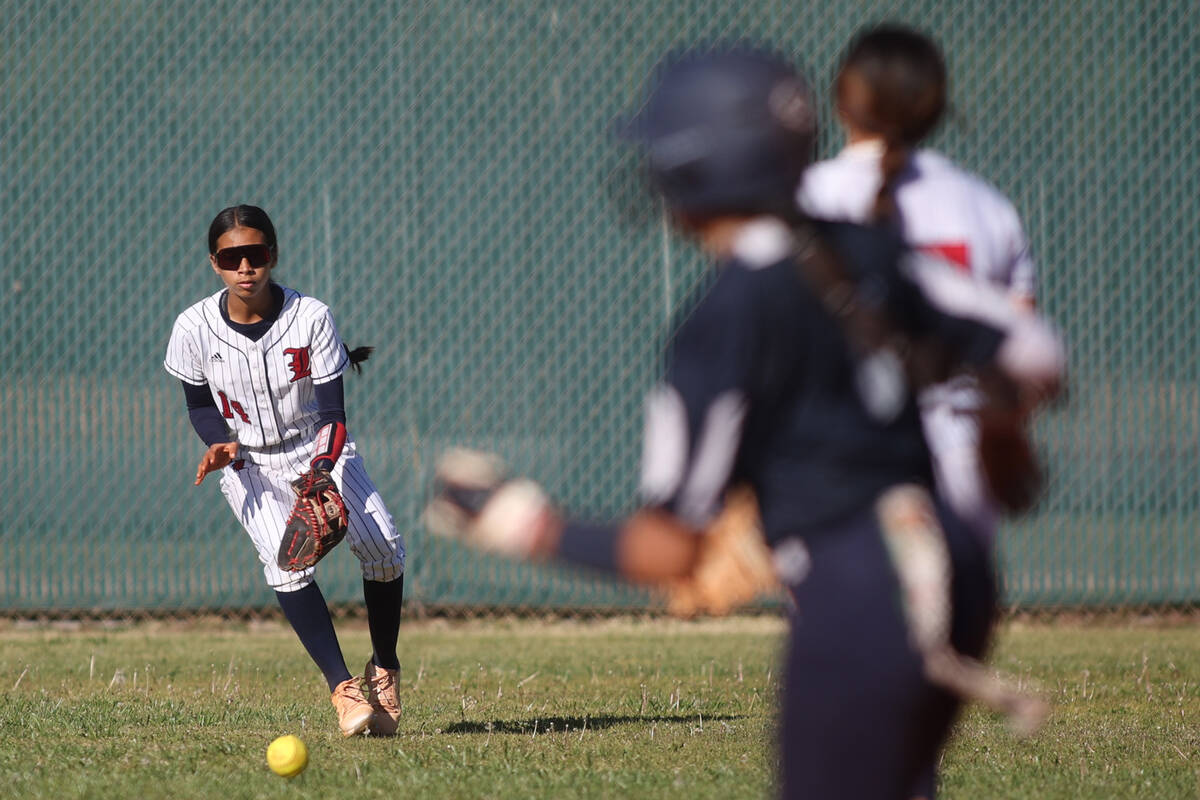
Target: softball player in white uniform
265 391
939 209
261 366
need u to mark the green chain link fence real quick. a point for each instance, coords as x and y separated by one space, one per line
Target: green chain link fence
443 175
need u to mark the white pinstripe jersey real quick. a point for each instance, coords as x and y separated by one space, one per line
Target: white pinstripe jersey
944 210
263 389
948 212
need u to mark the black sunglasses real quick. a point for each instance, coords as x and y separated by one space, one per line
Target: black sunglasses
259 255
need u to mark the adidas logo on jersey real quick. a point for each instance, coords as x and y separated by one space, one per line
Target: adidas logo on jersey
216 357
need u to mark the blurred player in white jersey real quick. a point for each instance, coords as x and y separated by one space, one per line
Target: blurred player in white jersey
261 367
890 94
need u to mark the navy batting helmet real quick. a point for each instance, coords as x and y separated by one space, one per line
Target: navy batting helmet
727 131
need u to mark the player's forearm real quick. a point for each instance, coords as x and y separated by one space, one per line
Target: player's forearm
331 437
209 425
331 424
475 500
650 547
1032 355
206 419
655 546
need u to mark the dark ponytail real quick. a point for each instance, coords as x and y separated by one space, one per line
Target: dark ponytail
895 158
892 84
358 355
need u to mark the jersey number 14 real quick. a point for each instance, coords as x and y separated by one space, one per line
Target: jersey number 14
230 407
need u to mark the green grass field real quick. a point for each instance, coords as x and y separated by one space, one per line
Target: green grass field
621 708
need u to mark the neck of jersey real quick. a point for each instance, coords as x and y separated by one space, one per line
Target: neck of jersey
255 330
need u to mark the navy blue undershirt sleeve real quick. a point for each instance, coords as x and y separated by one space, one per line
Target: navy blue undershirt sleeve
331 423
331 402
590 545
205 417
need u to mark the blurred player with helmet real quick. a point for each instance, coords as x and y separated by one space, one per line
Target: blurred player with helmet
795 373
890 94
261 367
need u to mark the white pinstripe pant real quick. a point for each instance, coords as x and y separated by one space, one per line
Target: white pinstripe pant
953 438
261 497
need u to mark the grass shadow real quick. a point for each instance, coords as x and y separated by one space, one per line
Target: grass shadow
547 724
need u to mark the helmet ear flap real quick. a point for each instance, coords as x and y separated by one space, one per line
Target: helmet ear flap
681 184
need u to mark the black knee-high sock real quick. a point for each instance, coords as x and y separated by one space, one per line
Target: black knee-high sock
383 618
309 616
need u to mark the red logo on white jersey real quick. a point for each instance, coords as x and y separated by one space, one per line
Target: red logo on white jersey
300 366
956 253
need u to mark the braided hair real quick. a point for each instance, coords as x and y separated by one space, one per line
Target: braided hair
892 84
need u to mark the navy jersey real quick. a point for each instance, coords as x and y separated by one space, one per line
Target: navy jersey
761 386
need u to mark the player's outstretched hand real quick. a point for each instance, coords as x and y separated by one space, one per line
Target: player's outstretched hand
219 456
476 502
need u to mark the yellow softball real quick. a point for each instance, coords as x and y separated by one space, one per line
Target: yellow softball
287 756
